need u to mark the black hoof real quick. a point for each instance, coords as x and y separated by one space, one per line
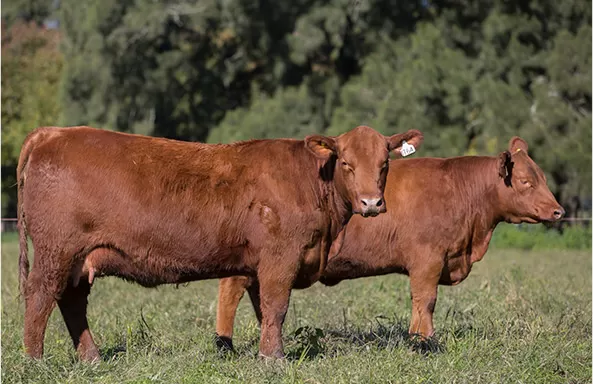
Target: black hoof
224 344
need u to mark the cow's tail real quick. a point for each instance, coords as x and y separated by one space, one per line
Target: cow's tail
21 176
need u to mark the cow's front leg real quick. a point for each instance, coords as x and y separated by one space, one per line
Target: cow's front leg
275 290
424 286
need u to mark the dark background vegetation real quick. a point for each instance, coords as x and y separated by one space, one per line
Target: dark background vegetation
469 74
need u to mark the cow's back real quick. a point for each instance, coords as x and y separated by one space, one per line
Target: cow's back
110 177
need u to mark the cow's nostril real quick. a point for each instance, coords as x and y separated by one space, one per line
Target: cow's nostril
372 203
558 213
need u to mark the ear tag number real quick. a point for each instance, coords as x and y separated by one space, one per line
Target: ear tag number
406 149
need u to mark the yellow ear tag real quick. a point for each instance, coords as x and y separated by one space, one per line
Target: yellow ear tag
518 149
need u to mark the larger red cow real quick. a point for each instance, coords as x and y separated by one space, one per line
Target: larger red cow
158 211
447 210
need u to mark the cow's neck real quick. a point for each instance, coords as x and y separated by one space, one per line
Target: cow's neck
486 211
341 212
338 209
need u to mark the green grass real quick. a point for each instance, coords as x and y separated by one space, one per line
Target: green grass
520 317
536 237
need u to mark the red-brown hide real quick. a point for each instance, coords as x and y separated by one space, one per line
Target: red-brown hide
157 211
446 212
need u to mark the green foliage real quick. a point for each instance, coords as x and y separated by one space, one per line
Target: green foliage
307 342
172 69
560 122
537 237
414 82
31 71
470 79
469 74
35 11
289 113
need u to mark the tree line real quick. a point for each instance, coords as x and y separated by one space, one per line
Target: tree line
469 74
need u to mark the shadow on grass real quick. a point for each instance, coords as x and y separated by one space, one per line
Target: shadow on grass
138 336
385 334
308 343
227 349
112 353
119 350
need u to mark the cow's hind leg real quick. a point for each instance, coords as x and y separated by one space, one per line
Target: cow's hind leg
230 293
40 299
73 305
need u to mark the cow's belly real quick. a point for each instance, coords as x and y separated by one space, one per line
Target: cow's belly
155 268
344 267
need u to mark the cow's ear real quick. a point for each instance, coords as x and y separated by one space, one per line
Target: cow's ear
517 144
505 166
412 137
322 147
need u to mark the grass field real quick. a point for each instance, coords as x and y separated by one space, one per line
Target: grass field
520 317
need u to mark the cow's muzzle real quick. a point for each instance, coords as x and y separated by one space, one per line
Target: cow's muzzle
558 213
372 206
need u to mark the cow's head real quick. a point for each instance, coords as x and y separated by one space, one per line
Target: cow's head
523 190
361 159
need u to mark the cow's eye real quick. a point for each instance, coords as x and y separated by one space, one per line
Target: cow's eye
525 183
347 167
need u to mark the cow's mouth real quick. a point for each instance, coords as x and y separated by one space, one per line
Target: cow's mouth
531 220
524 219
546 220
370 213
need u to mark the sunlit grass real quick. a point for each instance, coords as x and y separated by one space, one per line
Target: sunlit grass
521 316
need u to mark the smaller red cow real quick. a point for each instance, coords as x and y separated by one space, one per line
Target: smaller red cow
447 210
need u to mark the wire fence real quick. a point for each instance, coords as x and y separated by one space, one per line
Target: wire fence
9 224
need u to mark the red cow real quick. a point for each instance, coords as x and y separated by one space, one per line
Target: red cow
446 212
157 211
